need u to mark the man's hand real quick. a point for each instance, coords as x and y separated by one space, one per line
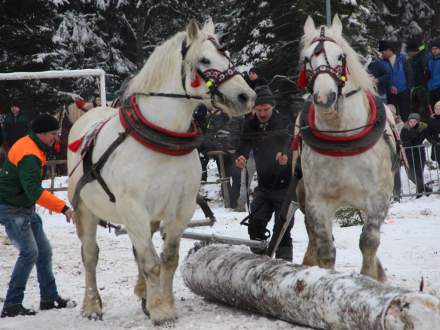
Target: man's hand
69 215
240 162
281 158
393 90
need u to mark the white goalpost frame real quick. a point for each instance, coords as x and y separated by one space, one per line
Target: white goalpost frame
60 74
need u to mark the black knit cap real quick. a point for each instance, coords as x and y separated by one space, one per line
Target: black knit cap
44 123
435 43
264 95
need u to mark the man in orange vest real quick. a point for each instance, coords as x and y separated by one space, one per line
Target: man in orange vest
20 190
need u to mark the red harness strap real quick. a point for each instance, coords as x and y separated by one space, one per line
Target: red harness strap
150 144
331 138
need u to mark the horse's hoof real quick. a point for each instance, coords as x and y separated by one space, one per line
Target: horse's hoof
165 323
144 307
93 316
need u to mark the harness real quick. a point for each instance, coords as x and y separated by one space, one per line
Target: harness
343 146
147 133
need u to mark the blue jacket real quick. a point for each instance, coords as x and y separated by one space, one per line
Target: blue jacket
381 71
400 73
434 73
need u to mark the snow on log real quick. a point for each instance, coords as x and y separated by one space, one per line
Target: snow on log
302 295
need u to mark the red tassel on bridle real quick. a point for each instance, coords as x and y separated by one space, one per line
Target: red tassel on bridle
302 81
195 82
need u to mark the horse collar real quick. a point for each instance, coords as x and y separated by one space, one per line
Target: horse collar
343 146
155 137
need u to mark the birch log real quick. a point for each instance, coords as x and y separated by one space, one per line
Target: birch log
302 295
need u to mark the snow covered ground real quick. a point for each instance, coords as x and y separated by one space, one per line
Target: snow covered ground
410 249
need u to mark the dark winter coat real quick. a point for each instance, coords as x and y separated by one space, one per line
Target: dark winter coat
14 128
419 65
411 137
258 138
381 72
257 82
433 136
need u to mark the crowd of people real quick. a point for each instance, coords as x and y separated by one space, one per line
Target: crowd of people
410 83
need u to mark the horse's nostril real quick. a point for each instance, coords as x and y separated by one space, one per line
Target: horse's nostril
243 98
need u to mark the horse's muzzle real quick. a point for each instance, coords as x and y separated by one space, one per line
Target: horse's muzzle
324 101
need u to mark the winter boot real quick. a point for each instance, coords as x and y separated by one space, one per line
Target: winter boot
284 252
15 310
57 303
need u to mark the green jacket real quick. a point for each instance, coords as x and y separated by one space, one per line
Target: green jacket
22 174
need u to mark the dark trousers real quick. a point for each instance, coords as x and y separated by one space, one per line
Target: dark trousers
266 202
416 161
402 102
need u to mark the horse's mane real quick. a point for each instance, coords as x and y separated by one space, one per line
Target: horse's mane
358 76
163 63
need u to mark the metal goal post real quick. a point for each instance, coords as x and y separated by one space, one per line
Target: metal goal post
59 74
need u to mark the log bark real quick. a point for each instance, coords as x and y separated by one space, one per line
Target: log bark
310 296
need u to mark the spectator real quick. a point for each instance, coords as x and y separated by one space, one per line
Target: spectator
254 79
434 133
15 126
266 135
418 57
412 135
381 73
401 78
434 73
97 101
20 190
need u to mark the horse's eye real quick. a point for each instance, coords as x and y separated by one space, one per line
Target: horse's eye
341 57
306 60
205 61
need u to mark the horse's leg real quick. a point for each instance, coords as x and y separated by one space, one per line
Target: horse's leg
86 224
319 215
138 224
311 256
140 288
170 259
370 239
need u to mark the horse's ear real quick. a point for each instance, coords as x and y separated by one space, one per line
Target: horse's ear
309 26
337 24
193 29
209 26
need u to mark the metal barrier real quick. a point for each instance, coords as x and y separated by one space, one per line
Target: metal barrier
422 178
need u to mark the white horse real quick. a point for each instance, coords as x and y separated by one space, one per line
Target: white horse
150 186
347 151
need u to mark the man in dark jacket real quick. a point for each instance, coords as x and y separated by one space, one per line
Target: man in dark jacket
434 133
401 78
266 135
418 57
254 79
15 126
20 190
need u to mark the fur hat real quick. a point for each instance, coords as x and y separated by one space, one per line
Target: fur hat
386 44
415 116
264 95
44 123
